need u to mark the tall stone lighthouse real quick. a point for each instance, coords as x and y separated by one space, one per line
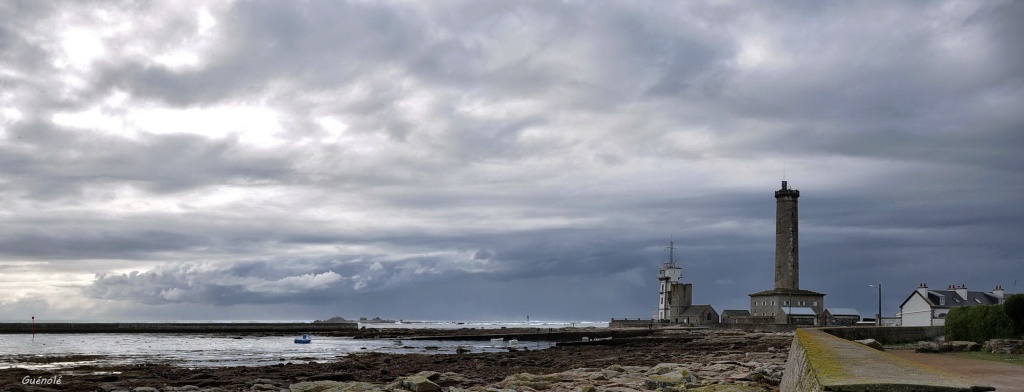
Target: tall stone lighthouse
787 303
787 239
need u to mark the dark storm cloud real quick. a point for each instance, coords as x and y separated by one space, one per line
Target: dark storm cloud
540 155
54 163
207 284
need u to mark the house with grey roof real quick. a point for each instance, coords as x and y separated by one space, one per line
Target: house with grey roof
926 307
841 316
697 315
735 316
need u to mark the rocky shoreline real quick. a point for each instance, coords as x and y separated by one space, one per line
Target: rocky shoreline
667 360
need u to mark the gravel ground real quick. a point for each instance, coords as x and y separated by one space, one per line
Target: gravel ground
1001 376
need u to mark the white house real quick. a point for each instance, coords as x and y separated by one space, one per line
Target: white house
929 307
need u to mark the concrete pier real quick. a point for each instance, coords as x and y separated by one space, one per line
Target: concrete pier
822 362
25 328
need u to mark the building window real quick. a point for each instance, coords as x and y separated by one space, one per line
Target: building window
773 303
815 303
785 302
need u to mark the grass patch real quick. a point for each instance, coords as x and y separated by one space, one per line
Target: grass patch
1015 359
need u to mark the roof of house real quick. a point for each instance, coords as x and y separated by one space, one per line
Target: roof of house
843 312
798 311
785 292
952 299
696 310
735 312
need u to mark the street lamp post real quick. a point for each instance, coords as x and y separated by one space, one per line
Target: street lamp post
878 316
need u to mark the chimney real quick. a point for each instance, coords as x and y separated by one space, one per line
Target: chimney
923 290
998 293
962 291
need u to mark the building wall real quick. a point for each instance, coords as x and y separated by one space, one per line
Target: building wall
664 299
916 312
682 295
735 319
707 316
840 321
887 335
756 324
772 305
630 323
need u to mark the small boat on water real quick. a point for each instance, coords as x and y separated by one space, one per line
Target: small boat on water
514 342
304 339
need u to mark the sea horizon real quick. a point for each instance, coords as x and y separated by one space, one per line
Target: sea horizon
455 322
233 349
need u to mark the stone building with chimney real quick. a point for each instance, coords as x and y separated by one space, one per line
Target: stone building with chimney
787 303
675 299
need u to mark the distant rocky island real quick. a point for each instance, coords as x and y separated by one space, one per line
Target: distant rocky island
339 319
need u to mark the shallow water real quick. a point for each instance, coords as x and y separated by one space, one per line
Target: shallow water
44 351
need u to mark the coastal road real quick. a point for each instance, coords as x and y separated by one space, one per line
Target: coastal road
999 375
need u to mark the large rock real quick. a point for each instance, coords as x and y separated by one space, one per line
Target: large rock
928 347
727 388
419 383
335 386
340 376
871 343
1005 346
538 382
963 346
670 376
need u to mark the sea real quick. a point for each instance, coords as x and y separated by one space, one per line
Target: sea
58 351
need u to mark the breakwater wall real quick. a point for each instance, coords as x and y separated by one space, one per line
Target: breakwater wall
887 335
548 336
819 361
23 328
631 323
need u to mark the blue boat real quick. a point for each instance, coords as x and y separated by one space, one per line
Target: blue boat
303 340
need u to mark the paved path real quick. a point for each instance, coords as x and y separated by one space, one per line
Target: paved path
1004 377
841 365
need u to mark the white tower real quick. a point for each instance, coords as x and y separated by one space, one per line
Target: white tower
668 274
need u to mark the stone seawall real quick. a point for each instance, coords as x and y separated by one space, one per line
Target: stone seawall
822 362
552 336
887 335
22 328
757 327
628 323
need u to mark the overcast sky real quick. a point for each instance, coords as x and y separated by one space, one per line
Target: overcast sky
499 159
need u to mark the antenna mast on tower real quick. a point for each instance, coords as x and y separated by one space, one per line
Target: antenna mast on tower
671 253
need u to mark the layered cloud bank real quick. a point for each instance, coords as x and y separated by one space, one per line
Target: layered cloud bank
471 160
